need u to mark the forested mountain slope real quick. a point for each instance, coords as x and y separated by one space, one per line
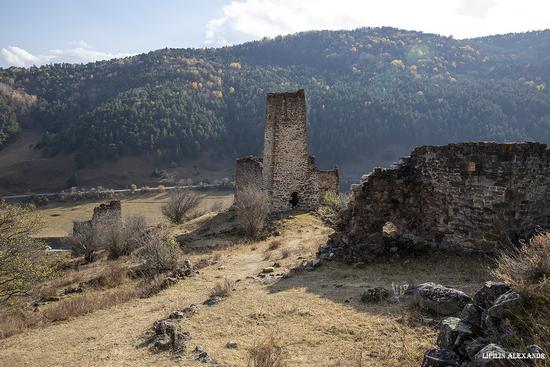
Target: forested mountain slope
367 90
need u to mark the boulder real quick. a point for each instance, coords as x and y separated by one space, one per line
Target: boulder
471 314
212 300
269 269
438 298
452 331
505 305
490 291
471 347
491 355
191 309
375 295
176 315
232 344
440 358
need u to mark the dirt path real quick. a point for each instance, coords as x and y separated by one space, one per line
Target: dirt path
317 316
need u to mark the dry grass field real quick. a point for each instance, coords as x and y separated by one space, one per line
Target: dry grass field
316 316
59 217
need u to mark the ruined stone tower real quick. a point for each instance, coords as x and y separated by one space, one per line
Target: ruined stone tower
287 172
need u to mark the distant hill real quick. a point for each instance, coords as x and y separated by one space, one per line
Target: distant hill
373 93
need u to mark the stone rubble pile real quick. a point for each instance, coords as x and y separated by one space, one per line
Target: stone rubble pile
471 339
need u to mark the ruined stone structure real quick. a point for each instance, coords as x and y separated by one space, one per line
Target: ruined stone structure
108 213
286 172
471 196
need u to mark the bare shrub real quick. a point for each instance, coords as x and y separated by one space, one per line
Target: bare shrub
223 289
126 236
23 262
180 203
527 268
252 207
267 354
160 251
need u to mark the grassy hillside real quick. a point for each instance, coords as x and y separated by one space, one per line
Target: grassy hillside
373 93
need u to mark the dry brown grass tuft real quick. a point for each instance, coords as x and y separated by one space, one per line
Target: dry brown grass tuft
274 245
267 354
223 289
527 269
285 253
89 302
11 324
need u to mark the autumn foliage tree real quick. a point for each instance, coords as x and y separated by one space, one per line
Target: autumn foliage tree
23 261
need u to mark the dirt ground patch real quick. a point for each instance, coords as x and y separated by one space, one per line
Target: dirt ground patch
317 316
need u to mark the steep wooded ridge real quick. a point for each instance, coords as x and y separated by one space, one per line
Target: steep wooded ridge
367 89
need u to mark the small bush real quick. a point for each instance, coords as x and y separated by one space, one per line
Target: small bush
252 207
160 252
267 354
126 236
179 205
223 289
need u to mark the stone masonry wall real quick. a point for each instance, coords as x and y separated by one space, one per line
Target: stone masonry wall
286 163
286 172
471 196
328 181
107 213
248 174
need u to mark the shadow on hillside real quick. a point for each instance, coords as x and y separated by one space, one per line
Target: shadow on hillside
343 283
218 230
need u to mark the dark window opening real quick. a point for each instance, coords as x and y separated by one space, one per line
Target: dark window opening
294 200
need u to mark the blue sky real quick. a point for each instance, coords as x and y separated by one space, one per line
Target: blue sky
40 31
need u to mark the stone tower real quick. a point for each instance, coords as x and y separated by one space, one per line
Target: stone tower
287 168
286 172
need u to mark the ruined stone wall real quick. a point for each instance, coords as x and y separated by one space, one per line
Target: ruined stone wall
327 181
248 174
286 164
103 213
471 196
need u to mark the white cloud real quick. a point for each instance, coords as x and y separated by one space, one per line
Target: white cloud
244 20
80 52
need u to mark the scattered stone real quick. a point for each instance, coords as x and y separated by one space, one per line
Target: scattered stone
191 309
198 349
534 349
452 331
203 357
221 267
268 269
440 358
473 346
393 300
165 336
438 298
212 300
489 293
375 295
506 304
276 233
70 290
471 313
184 270
276 264
176 315
232 344
489 355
